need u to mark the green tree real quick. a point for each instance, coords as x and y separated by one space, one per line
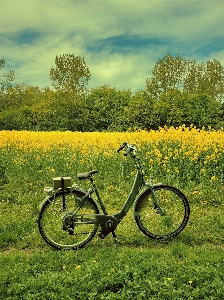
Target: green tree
186 75
175 108
19 95
19 107
167 74
7 78
206 78
70 74
221 119
168 109
68 110
138 114
105 108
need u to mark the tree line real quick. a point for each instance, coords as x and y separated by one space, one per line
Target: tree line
179 91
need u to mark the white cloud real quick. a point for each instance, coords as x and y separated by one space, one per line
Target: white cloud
35 31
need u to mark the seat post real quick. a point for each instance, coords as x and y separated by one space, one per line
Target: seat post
98 196
92 181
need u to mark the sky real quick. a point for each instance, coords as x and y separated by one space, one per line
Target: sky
120 40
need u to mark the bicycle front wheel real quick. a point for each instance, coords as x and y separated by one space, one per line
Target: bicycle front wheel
166 219
61 228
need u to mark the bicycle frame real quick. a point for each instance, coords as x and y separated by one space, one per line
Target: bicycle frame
108 222
149 200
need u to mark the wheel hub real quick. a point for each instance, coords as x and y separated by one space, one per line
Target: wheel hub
68 223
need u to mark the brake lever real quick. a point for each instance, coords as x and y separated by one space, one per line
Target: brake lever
122 146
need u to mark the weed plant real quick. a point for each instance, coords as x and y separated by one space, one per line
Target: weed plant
191 266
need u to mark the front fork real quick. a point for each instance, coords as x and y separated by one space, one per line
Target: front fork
155 199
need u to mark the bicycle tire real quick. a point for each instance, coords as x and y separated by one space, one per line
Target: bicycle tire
158 226
60 229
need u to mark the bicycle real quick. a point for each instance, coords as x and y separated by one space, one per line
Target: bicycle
70 217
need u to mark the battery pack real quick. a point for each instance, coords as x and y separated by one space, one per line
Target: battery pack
58 182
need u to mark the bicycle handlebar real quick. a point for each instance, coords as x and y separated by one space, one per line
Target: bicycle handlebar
130 149
122 146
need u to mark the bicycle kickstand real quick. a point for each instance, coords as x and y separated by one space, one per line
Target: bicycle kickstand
115 237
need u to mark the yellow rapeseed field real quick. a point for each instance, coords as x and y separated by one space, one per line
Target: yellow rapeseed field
197 140
192 142
185 152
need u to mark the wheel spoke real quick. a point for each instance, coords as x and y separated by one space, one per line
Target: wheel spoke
62 229
165 219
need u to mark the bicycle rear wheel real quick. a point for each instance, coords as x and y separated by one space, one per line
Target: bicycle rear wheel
171 222
63 230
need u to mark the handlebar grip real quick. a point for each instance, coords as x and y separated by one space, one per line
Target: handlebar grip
122 146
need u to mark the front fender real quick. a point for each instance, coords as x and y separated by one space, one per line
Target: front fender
142 192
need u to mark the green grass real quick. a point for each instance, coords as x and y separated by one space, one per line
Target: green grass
104 271
191 266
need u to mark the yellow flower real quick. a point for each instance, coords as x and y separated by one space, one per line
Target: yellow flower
213 178
195 156
78 267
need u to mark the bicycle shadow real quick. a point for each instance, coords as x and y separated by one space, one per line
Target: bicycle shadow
144 242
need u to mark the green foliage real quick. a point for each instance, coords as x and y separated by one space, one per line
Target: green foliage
18 96
175 107
7 78
138 114
178 92
168 73
8 120
106 108
70 74
206 78
185 75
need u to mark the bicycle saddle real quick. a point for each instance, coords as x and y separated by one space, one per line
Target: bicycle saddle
86 175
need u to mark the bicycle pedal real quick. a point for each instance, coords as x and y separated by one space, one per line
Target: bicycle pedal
101 235
114 234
